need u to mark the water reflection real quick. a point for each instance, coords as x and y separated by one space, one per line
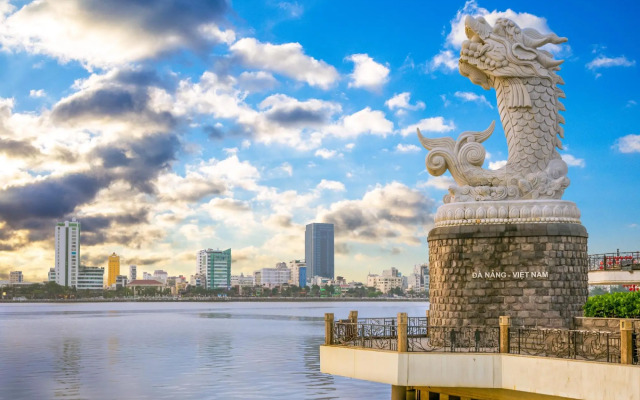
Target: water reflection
169 351
67 369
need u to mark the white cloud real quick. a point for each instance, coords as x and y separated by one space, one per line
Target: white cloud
631 103
433 124
573 161
256 81
470 96
367 73
444 60
497 164
607 62
37 93
287 59
105 36
386 214
407 148
401 102
326 153
331 185
628 144
438 182
287 168
294 9
363 121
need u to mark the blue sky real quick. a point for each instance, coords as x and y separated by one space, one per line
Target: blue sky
182 125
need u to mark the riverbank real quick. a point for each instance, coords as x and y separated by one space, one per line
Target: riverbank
217 299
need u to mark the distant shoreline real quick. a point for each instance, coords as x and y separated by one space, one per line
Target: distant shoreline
216 300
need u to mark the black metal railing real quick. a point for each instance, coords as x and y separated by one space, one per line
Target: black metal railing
561 343
629 260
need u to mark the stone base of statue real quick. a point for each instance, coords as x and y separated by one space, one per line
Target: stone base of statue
524 259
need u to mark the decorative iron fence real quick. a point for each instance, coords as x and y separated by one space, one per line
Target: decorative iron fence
629 260
369 336
467 339
420 337
579 345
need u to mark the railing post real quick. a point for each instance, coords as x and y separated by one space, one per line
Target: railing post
403 322
353 317
626 341
328 328
505 323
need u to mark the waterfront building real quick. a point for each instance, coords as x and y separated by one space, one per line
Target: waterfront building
121 281
15 277
216 267
273 277
385 282
319 250
197 280
298 273
114 269
160 276
321 281
133 272
242 281
145 283
67 247
90 278
51 275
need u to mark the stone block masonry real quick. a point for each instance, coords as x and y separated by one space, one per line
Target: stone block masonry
536 273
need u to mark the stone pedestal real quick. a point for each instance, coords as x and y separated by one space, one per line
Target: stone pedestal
536 273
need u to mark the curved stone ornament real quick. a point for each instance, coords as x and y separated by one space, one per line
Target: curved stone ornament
508 59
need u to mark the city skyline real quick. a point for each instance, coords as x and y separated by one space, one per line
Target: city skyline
170 128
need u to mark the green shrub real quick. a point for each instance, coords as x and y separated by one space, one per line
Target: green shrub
613 305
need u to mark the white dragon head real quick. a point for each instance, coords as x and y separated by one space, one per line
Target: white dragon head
505 51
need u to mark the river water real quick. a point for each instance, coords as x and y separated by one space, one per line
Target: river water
222 350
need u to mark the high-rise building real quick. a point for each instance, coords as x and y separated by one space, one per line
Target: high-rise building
133 272
114 269
67 245
216 267
318 250
15 277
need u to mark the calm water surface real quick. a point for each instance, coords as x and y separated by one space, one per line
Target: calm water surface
177 350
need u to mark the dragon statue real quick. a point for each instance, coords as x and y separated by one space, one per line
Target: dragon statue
510 60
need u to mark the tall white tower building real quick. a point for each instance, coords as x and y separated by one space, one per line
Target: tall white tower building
67 244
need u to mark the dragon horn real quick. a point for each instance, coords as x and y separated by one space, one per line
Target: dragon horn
535 39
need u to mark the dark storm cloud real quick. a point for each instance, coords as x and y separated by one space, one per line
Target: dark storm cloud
17 148
139 161
49 198
113 102
297 116
181 18
37 206
143 78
